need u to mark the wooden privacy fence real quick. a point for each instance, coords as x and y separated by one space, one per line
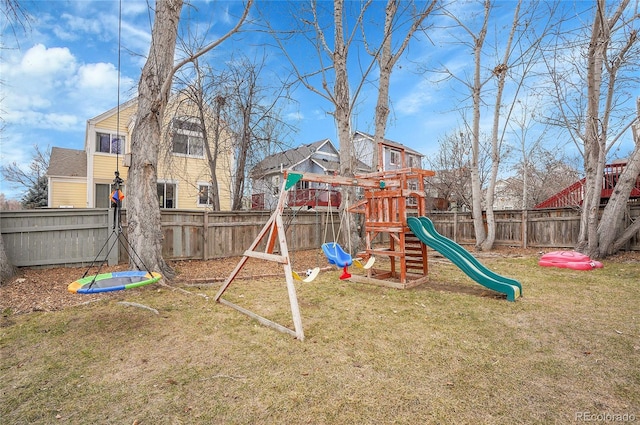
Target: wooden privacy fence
55 237
73 237
200 235
555 228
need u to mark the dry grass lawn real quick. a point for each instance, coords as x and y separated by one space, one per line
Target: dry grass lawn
443 353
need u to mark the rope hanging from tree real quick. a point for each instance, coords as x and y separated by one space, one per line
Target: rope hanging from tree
116 281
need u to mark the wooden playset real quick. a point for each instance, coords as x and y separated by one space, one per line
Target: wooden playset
388 197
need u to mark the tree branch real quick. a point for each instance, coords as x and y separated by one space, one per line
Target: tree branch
166 87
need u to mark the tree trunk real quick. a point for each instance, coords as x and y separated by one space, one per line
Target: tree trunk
143 212
595 134
241 165
197 94
476 185
386 62
342 117
382 108
612 234
612 221
212 156
500 72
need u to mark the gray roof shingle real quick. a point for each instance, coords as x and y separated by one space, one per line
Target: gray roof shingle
67 163
285 159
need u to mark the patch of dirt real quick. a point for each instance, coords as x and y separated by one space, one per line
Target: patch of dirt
46 289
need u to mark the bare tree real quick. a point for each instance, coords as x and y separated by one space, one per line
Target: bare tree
596 109
521 126
244 105
540 174
611 238
144 225
253 114
195 90
15 17
475 87
332 78
488 92
452 163
387 58
596 129
9 204
33 176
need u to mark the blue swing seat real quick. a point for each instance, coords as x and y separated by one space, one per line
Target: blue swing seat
336 255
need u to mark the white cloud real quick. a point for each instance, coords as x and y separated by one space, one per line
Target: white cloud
32 82
136 40
46 88
415 101
60 121
96 76
295 116
74 27
46 63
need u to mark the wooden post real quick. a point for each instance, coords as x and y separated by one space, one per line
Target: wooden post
455 225
205 235
525 228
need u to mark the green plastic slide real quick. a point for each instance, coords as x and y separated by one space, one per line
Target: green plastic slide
424 229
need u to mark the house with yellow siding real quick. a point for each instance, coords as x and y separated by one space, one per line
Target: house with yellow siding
84 178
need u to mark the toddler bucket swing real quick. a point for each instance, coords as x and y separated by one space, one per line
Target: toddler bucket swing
335 254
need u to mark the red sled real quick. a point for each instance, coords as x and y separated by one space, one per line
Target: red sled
569 260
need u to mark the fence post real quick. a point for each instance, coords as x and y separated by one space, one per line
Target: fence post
205 235
525 228
455 225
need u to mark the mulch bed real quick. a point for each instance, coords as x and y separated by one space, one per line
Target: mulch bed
40 289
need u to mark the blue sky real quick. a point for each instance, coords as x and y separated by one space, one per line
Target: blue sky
63 70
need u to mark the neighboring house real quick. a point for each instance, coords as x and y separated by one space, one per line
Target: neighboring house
67 178
506 196
573 195
393 155
83 178
322 157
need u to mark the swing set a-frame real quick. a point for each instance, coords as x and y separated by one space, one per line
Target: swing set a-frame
388 196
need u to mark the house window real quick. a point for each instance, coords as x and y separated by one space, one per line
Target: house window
166 195
302 185
205 194
109 143
187 137
394 157
103 195
414 162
